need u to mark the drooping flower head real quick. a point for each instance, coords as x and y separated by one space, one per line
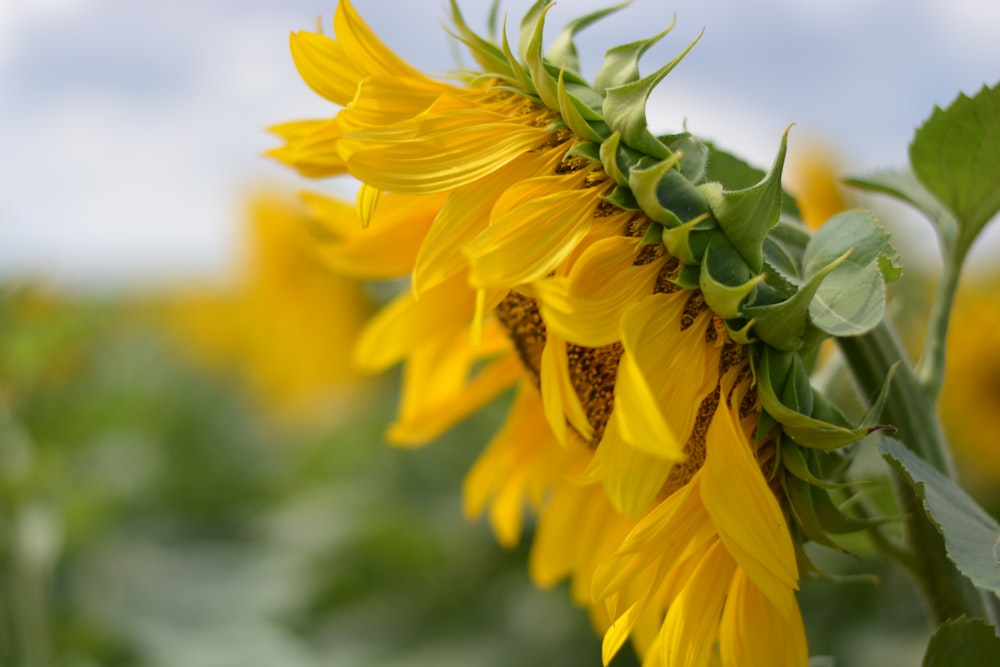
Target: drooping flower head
644 296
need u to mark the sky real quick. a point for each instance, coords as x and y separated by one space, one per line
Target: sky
131 132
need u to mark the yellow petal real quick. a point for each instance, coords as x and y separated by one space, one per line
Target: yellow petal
632 477
587 306
382 101
620 630
363 48
324 67
387 248
310 148
531 240
640 421
692 622
517 470
558 395
678 368
438 391
745 511
661 535
437 152
753 631
404 325
465 214
367 202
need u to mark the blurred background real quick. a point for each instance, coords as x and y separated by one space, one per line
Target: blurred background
192 475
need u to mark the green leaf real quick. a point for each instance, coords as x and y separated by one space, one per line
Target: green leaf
782 325
956 155
621 63
969 642
851 300
971 536
746 215
903 185
855 230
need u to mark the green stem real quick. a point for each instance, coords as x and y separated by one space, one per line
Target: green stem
930 368
909 408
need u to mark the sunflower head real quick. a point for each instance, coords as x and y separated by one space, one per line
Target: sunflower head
654 300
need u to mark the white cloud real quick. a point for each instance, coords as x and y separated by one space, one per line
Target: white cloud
131 130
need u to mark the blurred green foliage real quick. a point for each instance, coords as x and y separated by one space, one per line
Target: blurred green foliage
152 515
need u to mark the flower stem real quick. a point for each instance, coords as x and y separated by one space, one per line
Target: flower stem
911 410
930 368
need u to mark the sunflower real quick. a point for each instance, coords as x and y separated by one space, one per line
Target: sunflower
654 330
971 391
270 325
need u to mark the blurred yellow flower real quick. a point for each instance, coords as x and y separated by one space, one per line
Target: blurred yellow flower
970 398
633 432
285 325
814 179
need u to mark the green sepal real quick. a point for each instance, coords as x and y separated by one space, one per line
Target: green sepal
493 19
587 150
569 109
680 244
694 154
490 57
771 368
737 174
797 391
623 198
588 103
521 77
743 335
563 52
800 501
747 215
784 246
837 522
687 277
726 281
653 235
783 324
621 63
664 193
794 458
532 27
625 109
618 159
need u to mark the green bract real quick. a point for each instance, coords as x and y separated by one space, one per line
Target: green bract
778 288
